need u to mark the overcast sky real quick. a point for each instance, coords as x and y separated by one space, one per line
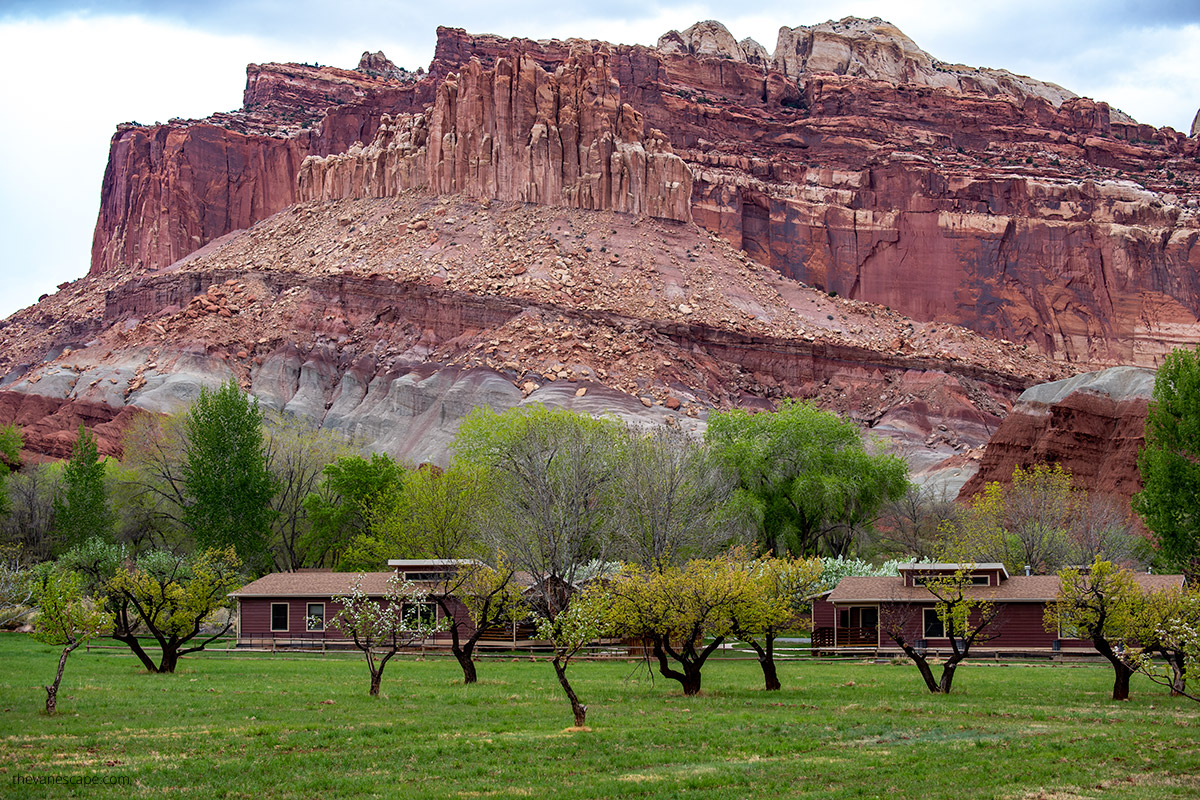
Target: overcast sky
73 70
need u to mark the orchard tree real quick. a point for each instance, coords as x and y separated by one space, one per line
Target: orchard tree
585 619
916 523
1099 604
683 613
66 618
381 628
1166 623
805 476
967 616
780 591
441 515
1170 463
81 511
554 477
225 475
337 511
177 599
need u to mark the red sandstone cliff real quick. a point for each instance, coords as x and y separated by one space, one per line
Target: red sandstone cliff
852 161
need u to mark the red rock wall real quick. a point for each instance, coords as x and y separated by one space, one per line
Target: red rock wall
998 213
518 132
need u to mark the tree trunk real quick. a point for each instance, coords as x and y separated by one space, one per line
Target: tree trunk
463 654
691 681
376 679
1121 670
947 677
52 690
1178 671
131 641
577 708
169 660
766 660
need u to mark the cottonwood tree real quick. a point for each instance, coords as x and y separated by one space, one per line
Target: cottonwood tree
585 619
381 628
554 478
30 520
338 510
780 590
967 616
1098 604
296 455
915 524
441 514
1170 463
66 618
683 613
674 500
173 598
81 510
228 485
805 476
16 586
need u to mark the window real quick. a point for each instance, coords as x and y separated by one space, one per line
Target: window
870 617
315 619
934 629
844 618
427 576
420 614
976 580
279 617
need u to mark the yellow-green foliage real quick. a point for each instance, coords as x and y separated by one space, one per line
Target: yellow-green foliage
174 596
65 615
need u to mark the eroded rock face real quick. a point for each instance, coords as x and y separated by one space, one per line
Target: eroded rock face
1092 424
518 132
858 164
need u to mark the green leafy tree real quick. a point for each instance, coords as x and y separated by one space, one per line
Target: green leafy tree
779 594
683 613
181 601
81 511
1170 463
338 510
10 455
1166 623
805 476
967 615
66 618
226 477
1099 604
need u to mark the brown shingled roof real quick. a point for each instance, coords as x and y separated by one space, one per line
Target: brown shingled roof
1017 589
314 584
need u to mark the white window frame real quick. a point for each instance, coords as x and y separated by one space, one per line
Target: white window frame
287 618
308 626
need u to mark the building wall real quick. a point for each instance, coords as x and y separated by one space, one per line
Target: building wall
254 615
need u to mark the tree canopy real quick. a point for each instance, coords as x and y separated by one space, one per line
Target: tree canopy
1170 463
228 484
81 510
805 476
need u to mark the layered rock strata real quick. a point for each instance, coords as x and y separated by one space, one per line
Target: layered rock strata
1092 424
853 162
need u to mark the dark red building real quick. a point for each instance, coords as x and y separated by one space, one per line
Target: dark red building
846 618
291 609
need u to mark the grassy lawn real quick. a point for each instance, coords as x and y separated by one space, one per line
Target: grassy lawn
263 726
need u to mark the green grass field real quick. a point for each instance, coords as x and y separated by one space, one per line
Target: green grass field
263 726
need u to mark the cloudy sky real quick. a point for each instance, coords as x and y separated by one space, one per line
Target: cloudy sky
73 70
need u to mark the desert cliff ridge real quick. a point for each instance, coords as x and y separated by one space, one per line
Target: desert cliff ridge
655 231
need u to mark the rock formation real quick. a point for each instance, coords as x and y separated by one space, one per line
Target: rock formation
1093 424
850 160
517 132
